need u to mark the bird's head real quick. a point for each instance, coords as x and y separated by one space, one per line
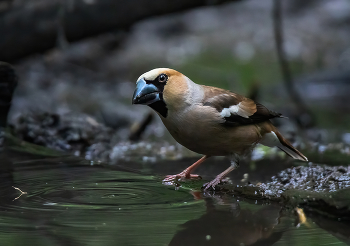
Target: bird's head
161 89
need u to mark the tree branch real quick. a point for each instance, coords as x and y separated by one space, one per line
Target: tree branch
305 118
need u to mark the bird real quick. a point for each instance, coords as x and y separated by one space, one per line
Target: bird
208 120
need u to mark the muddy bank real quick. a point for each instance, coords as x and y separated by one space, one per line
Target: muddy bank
72 133
81 135
309 178
318 189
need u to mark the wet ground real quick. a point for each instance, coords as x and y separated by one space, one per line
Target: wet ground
50 199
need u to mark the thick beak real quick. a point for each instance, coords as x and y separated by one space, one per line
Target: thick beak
145 93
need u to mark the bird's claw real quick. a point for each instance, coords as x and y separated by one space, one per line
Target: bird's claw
171 179
212 184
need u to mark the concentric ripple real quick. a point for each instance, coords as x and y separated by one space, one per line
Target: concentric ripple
91 187
63 202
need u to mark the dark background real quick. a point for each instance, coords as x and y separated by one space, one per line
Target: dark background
82 58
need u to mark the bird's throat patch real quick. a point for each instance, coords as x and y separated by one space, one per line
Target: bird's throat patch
160 107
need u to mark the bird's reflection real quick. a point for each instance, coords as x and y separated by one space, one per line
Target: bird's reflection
234 227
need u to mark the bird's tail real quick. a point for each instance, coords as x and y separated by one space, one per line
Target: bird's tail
288 148
272 137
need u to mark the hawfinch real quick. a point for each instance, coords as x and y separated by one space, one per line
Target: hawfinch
209 120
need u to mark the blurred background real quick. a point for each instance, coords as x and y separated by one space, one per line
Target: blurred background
77 63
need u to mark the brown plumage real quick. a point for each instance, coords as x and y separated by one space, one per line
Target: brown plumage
209 120
250 112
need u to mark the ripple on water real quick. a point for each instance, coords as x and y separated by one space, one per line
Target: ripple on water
89 187
73 204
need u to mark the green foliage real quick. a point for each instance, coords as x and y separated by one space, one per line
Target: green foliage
223 70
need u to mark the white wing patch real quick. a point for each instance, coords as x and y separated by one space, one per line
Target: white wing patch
270 140
234 110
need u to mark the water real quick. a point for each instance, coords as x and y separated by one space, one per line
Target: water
70 202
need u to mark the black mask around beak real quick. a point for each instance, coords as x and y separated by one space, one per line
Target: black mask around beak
145 93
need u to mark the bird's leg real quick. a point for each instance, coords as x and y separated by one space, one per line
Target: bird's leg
217 180
186 174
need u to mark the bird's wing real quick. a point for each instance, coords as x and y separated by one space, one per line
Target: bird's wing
236 109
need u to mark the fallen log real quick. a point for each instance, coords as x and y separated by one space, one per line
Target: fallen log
36 26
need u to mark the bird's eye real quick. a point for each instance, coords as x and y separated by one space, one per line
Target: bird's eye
162 78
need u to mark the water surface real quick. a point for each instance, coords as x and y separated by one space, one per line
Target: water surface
68 201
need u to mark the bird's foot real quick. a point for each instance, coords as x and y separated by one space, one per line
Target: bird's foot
180 177
212 183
